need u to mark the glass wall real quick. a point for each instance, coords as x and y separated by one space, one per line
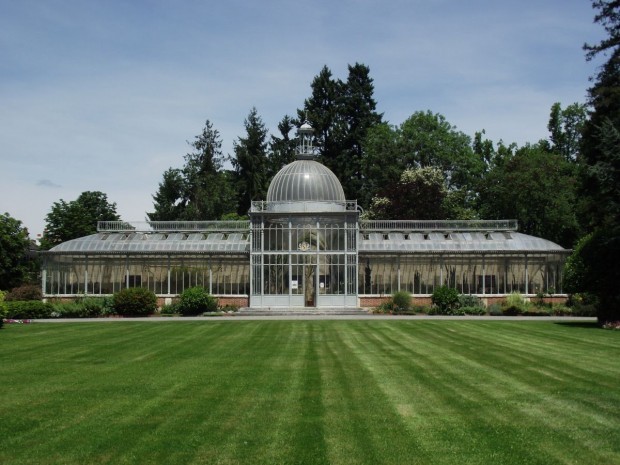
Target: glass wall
473 274
163 274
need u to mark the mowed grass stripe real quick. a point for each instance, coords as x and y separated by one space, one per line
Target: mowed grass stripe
489 388
436 392
362 424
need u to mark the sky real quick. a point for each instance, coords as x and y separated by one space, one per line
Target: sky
104 95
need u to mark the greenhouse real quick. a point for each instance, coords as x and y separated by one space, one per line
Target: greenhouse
305 246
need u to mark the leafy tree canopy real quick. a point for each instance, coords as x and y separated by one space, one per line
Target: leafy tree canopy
536 187
77 218
16 261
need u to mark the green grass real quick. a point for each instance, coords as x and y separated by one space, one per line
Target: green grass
310 392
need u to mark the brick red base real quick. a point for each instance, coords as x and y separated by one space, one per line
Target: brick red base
375 301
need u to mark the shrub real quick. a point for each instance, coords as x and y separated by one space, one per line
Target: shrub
3 310
468 300
28 309
25 292
514 304
85 307
229 308
170 309
473 310
495 309
385 307
583 304
196 301
401 301
561 310
445 299
135 301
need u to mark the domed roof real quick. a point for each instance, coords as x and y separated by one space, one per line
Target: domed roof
305 181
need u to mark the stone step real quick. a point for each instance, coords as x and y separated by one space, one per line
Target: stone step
247 311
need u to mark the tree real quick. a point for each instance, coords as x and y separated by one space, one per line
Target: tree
565 128
169 200
536 187
77 218
16 259
250 162
359 115
418 195
202 189
600 167
322 111
341 114
382 166
281 149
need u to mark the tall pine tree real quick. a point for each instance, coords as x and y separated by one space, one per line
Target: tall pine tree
250 162
599 253
202 190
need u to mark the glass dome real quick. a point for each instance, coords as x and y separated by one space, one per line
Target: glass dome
303 183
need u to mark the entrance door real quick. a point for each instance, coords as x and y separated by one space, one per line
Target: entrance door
309 283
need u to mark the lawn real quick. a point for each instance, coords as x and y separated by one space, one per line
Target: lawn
310 392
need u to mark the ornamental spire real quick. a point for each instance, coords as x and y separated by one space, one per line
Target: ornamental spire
305 149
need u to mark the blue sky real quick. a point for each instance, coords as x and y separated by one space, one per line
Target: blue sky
104 95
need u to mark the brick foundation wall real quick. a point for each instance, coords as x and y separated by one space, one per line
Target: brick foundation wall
375 301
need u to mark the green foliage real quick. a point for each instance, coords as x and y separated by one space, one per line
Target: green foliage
195 301
385 307
475 310
514 304
25 292
202 189
445 300
229 308
583 304
170 309
135 301
470 305
77 218
495 309
250 162
565 129
424 140
342 113
600 167
468 300
3 309
401 300
538 188
85 307
418 194
16 260
593 266
281 149
28 309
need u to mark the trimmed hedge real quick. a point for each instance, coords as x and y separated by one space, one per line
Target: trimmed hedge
28 309
135 301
